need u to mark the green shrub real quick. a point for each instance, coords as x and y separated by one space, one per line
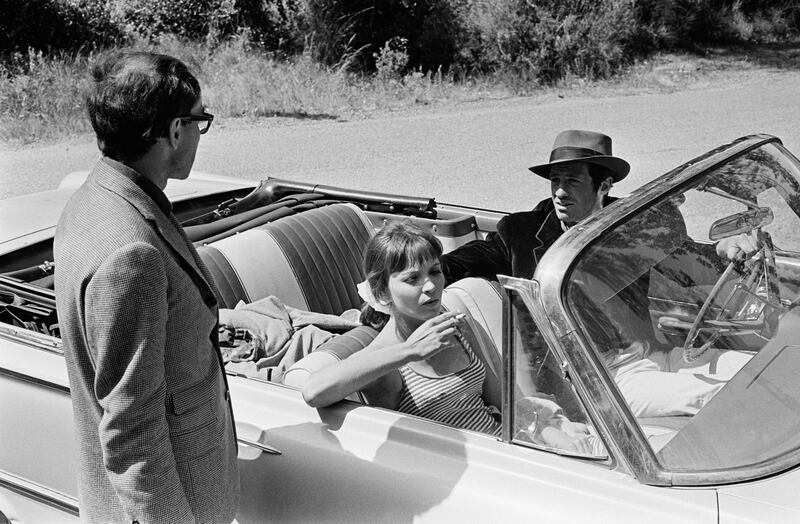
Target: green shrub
186 18
353 31
238 81
43 98
391 60
529 42
546 40
689 23
54 25
274 25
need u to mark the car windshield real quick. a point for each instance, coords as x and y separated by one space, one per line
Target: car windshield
691 304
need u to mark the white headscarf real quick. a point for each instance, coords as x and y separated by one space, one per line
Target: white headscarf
366 295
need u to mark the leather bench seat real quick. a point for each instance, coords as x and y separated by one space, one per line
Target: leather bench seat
311 260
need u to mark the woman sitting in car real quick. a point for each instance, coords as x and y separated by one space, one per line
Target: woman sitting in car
422 361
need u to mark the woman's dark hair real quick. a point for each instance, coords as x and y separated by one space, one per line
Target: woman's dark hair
395 247
133 96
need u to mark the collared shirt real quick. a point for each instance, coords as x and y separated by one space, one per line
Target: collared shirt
149 188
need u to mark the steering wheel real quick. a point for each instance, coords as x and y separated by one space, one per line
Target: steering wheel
756 287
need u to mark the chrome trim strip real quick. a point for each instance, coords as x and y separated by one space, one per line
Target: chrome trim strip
258 445
526 291
38 492
34 380
508 366
31 338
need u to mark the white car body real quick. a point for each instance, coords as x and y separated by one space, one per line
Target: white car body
355 463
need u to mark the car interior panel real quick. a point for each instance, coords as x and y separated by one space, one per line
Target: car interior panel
767 385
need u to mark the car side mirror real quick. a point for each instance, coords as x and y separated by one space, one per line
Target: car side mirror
743 222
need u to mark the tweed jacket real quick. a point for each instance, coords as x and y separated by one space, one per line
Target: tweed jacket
153 421
515 249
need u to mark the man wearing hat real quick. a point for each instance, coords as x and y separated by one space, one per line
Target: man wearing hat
581 171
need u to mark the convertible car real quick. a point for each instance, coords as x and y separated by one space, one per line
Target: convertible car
677 364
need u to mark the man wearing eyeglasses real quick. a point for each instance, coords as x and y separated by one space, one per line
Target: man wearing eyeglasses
153 421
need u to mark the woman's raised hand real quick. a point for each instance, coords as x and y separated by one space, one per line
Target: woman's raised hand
434 335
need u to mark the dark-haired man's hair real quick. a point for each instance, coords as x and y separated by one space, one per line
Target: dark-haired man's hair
598 174
397 246
133 96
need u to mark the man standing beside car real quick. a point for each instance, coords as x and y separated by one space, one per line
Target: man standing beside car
138 314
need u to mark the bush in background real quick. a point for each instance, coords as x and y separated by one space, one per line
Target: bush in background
274 25
70 25
307 58
44 99
185 18
50 25
688 23
547 40
352 32
539 41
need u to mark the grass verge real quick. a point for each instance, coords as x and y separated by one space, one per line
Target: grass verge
41 97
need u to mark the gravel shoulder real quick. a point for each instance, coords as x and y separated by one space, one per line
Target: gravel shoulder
476 151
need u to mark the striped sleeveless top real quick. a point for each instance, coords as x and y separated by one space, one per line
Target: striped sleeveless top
453 399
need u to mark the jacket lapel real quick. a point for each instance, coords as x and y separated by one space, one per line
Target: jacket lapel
550 229
547 233
167 227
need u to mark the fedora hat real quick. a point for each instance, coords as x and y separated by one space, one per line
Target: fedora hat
574 145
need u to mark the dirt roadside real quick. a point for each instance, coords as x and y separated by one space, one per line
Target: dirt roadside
660 114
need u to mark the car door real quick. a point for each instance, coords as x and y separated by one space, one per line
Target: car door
38 468
355 463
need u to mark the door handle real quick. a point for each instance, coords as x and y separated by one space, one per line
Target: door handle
258 445
251 440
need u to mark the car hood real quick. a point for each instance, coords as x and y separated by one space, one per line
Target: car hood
770 500
28 219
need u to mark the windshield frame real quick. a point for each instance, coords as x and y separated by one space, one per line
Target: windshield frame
609 411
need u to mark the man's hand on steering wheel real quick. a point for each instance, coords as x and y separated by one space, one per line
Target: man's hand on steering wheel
752 256
738 248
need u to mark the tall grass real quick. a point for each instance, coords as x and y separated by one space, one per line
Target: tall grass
41 97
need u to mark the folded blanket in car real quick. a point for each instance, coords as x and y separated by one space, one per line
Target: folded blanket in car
265 337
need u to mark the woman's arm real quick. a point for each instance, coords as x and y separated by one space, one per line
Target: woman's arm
371 365
335 382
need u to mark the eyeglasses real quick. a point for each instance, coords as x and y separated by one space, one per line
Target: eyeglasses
205 117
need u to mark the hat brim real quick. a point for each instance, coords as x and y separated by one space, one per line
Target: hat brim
618 167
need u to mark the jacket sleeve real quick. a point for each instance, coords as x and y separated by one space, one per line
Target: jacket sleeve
126 325
479 258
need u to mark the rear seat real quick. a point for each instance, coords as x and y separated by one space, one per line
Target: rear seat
482 302
311 260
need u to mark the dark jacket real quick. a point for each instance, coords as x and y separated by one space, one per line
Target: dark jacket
515 249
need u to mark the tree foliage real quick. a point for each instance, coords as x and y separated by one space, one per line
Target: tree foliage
539 40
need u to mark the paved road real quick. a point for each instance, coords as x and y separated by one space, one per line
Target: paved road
475 153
